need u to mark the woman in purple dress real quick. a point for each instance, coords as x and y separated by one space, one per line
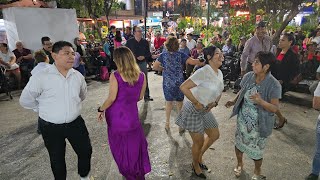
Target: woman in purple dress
126 137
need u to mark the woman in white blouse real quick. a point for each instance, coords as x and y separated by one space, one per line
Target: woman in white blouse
203 90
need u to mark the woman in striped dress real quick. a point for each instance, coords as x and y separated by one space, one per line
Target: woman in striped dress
203 90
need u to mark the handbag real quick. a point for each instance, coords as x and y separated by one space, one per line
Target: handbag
104 74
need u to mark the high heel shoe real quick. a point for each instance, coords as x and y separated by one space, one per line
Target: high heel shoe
167 127
201 175
203 166
279 126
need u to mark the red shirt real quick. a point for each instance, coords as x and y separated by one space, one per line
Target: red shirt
280 56
312 55
158 42
295 49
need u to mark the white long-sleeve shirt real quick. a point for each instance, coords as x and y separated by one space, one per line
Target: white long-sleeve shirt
56 98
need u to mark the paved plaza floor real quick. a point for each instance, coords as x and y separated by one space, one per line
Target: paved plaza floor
288 153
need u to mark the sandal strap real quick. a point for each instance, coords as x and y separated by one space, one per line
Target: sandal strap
203 166
237 171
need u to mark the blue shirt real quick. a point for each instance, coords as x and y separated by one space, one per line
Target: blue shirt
185 51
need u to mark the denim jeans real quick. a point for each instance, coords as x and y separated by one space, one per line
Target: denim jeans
316 159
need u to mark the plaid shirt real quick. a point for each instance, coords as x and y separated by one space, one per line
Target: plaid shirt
111 39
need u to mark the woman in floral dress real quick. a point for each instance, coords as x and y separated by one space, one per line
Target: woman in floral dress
255 106
172 62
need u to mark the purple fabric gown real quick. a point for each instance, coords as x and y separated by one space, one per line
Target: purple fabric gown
127 141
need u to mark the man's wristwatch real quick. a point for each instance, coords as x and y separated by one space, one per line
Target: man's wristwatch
99 110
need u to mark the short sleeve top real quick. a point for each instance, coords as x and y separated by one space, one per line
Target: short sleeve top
209 85
6 57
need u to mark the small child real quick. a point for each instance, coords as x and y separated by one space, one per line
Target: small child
42 61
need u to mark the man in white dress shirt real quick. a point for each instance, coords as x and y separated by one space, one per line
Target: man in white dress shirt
191 43
56 93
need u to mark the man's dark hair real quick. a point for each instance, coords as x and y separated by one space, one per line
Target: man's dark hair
183 40
112 27
290 37
59 45
43 39
128 27
135 28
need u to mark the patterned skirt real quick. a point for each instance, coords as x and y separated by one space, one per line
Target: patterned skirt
195 121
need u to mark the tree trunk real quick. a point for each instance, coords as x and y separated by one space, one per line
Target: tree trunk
107 8
291 15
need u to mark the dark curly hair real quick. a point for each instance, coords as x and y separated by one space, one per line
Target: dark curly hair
172 44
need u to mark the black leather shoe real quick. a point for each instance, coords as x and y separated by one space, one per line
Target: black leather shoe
312 177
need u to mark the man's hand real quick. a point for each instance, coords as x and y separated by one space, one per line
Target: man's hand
20 59
140 58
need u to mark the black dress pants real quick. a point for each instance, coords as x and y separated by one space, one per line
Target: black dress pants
54 136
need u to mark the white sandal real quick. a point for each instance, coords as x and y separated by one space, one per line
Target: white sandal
237 171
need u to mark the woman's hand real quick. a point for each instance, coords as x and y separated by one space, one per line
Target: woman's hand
229 104
256 98
100 116
210 106
199 106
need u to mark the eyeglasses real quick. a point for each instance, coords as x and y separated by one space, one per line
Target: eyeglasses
48 44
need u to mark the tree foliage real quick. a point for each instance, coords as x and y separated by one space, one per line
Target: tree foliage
275 11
